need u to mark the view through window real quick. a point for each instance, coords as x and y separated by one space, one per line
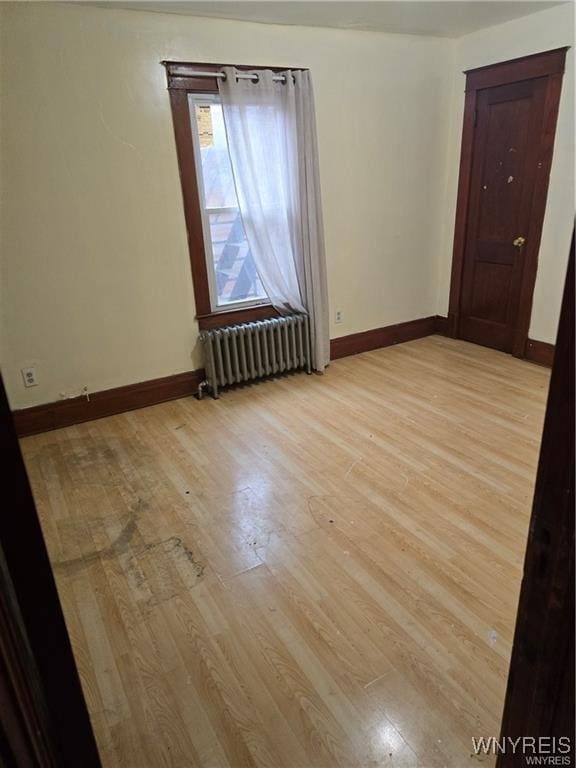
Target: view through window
232 273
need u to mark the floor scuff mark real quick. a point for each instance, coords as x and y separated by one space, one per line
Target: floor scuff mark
351 467
154 567
114 550
175 545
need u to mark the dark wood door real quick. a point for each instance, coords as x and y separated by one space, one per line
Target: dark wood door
505 161
510 115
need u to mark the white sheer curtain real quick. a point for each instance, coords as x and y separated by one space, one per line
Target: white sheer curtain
271 133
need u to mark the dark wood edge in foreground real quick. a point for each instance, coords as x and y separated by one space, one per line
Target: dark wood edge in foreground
44 721
64 413
540 693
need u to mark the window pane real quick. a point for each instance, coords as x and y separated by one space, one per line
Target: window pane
235 273
219 189
235 276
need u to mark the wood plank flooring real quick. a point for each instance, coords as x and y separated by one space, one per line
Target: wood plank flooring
314 572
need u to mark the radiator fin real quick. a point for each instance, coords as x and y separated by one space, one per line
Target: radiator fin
249 351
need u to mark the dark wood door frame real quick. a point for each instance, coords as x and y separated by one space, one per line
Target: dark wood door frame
540 694
550 65
44 721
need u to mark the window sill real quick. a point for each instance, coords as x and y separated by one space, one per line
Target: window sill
234 316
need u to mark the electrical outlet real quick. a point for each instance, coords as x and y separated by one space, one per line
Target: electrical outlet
338 318
29 376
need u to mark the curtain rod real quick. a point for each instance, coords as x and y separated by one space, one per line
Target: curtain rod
239 76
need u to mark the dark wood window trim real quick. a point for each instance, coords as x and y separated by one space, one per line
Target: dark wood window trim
548 64
180 83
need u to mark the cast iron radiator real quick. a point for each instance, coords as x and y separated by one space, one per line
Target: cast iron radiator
249 351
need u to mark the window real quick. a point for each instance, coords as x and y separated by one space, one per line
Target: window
227 288
232 277
226 285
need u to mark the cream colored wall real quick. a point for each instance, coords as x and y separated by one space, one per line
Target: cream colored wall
541 31
96 281
95 266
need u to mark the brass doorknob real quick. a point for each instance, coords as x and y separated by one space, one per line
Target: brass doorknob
519 242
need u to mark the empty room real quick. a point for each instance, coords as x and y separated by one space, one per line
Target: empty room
287 350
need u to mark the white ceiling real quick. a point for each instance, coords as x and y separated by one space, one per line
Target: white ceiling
416 17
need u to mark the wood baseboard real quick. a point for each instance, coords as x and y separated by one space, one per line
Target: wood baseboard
381 337
441 325
539 352
536 351
63 413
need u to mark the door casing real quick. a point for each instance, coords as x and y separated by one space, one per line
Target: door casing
549 64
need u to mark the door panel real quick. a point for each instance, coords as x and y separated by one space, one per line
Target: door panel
505 159
489 300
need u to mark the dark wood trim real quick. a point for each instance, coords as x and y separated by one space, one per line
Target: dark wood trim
179 78
364 341
539 352
524 68
179 74
534 236
25 724
466 148
248 315
536 351
191 197
540 693
180 84
547 64
40 683
441 325
63 413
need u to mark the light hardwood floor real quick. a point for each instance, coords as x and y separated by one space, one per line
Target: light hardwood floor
311 572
